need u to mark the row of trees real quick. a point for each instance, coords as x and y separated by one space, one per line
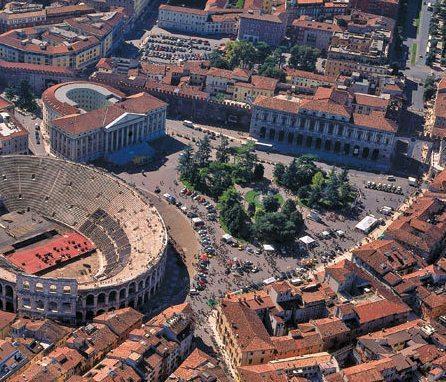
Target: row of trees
212 178
269 224
22 96
315 188
244 54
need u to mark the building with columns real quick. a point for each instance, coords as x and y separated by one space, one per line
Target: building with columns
330 125
87 121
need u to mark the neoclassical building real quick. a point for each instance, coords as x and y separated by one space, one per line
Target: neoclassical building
87 121
350 130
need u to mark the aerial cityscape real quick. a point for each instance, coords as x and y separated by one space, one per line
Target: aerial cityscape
223 190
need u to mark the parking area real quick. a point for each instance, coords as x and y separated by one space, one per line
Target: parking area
161 46
218 264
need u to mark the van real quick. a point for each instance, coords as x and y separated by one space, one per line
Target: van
193 292
188 123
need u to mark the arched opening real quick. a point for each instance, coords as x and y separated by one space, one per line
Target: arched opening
122 294
139 301
347 149
327 146
122 305
140 286
132 303
40 305
90 300
111 309
79 316
318 143
100 311
262 132
299 139
146 298
89 316
148 282
112 296
337 147
1 305
132 288
290 138
52 306
309 141
9 291
356 151
272 134
365 152
101 298
281 135
9 306
39 287
375 154
66 307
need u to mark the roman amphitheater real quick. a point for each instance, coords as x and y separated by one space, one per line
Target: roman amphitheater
74 241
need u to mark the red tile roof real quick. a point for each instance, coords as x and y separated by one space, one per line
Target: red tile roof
372 311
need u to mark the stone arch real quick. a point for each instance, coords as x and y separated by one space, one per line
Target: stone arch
89 315
38 287
9 306
140 285
112 296
375 154
139 302
90 299
327 145
132 288
122 294
281 136
272 134
101 298
365 152
40 305
9 291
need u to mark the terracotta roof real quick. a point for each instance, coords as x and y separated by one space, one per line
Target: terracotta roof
306 22
6 319
140 103
372 311
247 327
173 8
371 100
262 17
330 326
375 120
120 321
310 75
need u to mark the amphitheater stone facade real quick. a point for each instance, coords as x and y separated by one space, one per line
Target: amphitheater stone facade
129 235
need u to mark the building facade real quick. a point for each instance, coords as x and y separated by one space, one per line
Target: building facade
87 121
13 136
323 126
256 27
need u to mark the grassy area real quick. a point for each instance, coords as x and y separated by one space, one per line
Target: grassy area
254 196
240 4
187 185
416 22
413 53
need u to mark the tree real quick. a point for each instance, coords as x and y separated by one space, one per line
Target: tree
263 51
289 207
429 88
217 60
217 178
240 54
232 214
245 158
223 150
304 57
203 153
251 209
186 165
10 93
271 66
259 171
276 227
25 97
270 203
279 171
